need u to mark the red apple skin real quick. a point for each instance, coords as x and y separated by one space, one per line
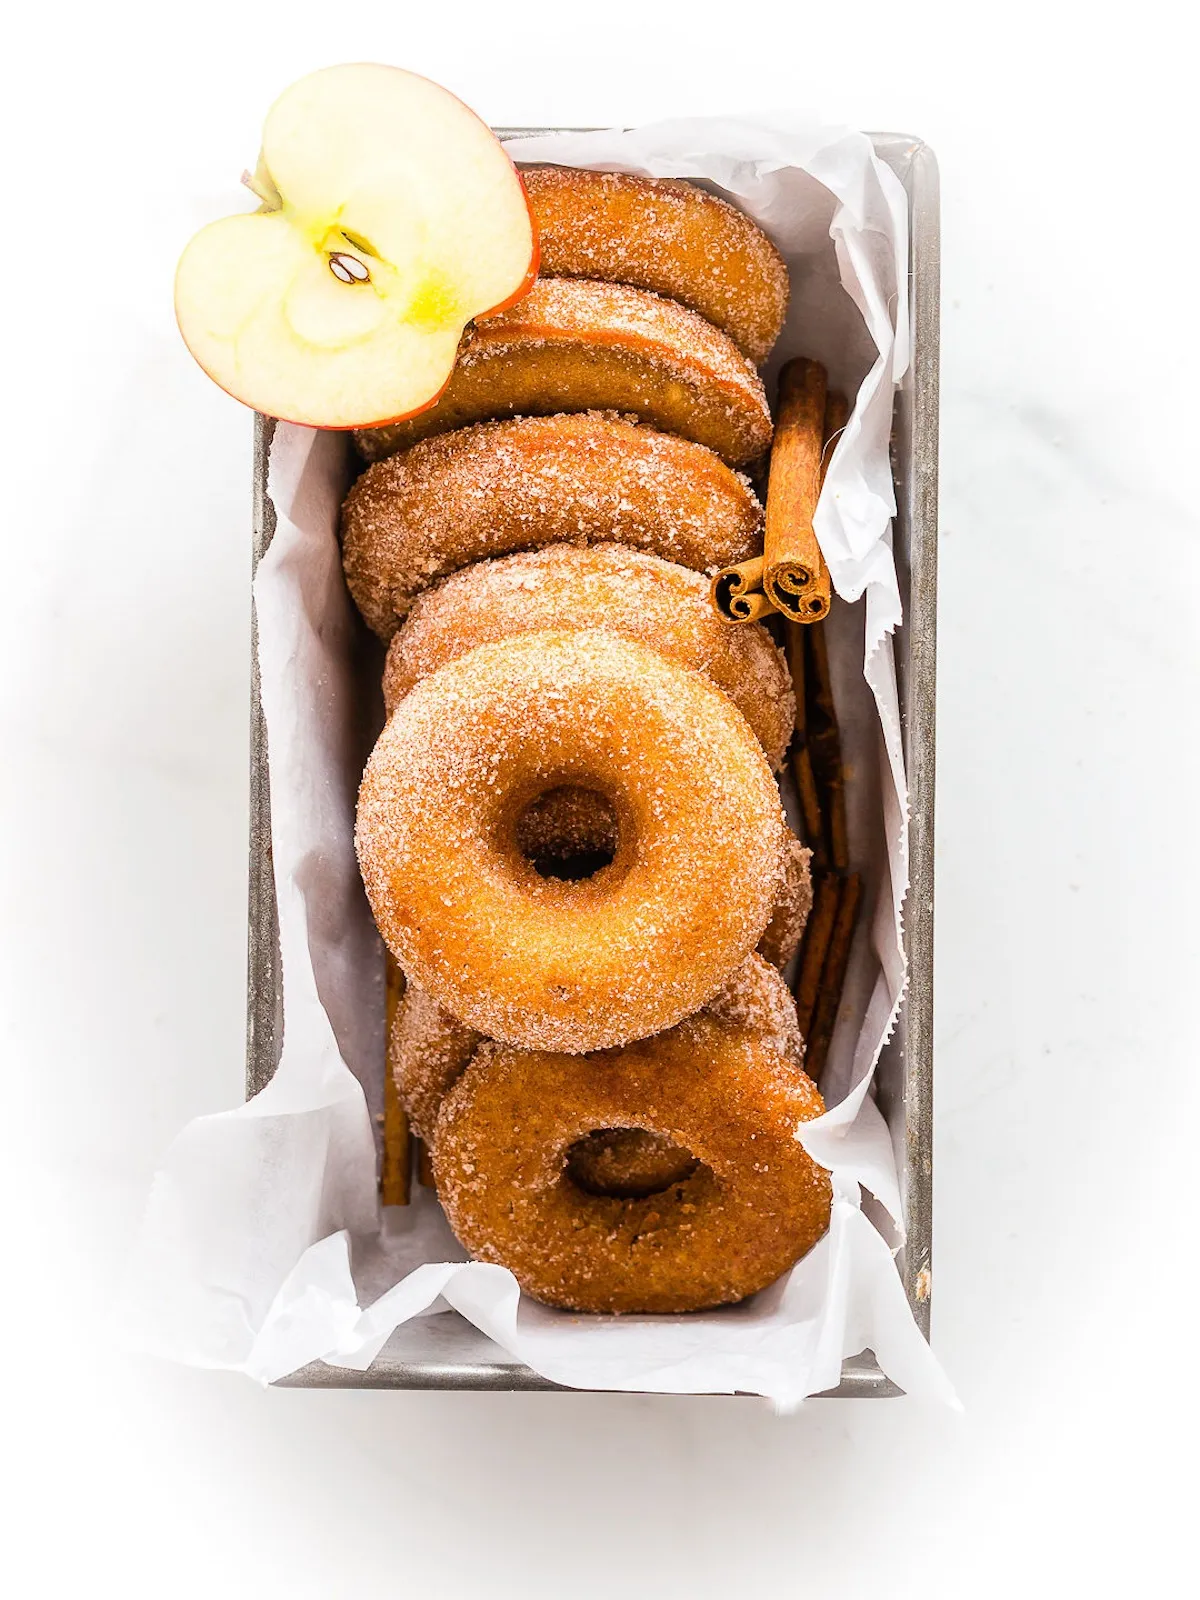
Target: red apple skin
527 283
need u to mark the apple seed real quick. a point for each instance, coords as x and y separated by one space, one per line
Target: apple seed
347 268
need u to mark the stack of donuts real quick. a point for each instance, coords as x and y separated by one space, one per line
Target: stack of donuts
570 830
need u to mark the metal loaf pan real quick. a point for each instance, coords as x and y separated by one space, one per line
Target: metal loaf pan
446 1352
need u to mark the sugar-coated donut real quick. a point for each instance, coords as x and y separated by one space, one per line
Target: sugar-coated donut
545 962
609 586
666 235
627 1162
755 1203
756 1000
413 518
429 1050
569 833
781 939
573 344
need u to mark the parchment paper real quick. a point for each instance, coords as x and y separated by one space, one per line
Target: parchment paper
263 1247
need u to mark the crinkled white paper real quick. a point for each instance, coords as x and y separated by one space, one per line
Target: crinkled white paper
262 1248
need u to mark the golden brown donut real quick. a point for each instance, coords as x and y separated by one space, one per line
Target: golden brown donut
609 586
568 832
545 962
485 491
756 1000
573 344
428 1051
666 235
781 939
754 1205
627 1162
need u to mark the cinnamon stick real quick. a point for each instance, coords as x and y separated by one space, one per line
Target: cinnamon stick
817 936
795 577
833 978
806 788
732 592
837 415
394 1165
810 804
794 650
824 742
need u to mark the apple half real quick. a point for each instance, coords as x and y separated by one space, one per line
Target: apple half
390 218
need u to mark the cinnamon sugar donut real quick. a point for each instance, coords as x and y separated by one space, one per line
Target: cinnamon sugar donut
666 235
606 586
781 939
627 1162
429 1050
573 344
544 962
569 833
498 487
755 1203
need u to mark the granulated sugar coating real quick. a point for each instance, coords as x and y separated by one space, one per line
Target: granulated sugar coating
756 1000
429 1050
786 928
564 824
608 586
567 825
627 1163
754 1206
574 344
505 486
542 962
666 235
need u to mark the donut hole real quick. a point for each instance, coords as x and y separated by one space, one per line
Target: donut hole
569 833
627 1163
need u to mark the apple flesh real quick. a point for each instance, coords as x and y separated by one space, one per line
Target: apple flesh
390 218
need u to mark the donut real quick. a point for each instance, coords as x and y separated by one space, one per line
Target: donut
429 1050
666 235
756 1000
570 833
753 1205
627 1162
573 344
485 491
606 586
550 963
783 933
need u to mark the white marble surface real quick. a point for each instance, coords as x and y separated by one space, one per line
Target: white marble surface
1065 1273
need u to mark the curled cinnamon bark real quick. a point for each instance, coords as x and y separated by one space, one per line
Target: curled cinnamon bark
795 577
733 592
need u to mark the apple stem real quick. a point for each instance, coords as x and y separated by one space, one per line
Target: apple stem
270 200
